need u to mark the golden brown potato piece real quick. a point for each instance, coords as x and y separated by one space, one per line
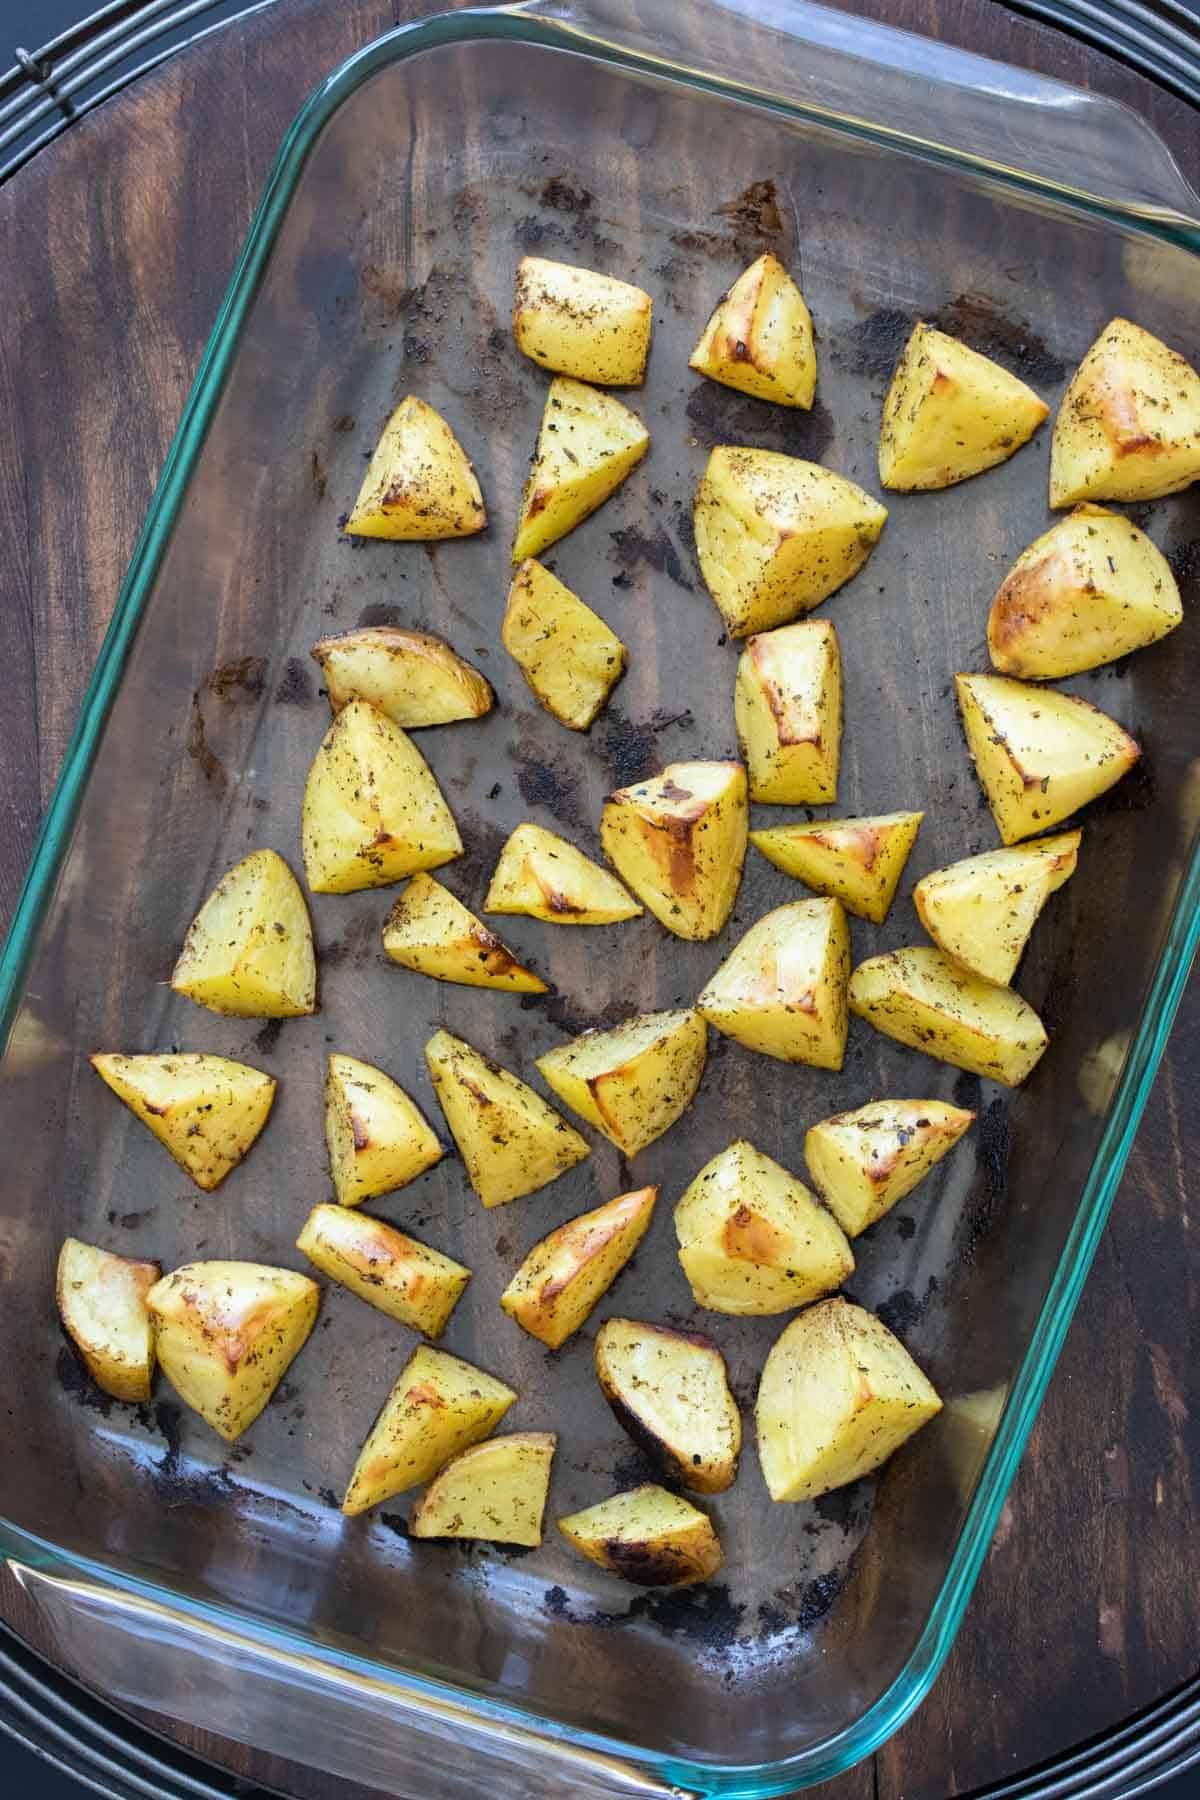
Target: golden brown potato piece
753 1240
776 536
373 811
951 413
578 322
760 338
495 1491
510 1140
863 1162
839 1394
923 999
647 1536
249 950
205 1109
587 445
1090 589
415 679
438 1407
226 1334
981 911
102 1304
430 931
788 707
544 877
669 1391
565 651
633 1081
782 988
1129 424
1039 755
856 861
376 1136
679 840
410 1282
561 1279
419 483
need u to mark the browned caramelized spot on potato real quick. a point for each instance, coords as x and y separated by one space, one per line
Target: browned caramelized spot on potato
473 1087
425 1395
359 1132
748 1237
1026 597
864 844
648 1565
538 502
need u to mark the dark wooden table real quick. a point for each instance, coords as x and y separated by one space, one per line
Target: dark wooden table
117 243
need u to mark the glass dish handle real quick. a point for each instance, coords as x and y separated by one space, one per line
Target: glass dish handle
875 80
411 1742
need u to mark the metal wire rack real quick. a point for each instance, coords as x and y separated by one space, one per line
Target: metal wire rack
47 89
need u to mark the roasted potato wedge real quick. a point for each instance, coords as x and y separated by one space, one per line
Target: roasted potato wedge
430 931
373 811
679 840
411 677
633 1081
1039 755
226 1333
419 483
205 1109
753 1240
839 1394
561 1279
544 877
788 706
565 651
1129 424
863 1162
102 1305
782 988
856 861
759 339
587 445
1090 589
580 323
776 536
647 1536
438 1407
495 1491
410 1282
510 1140
923 999
951 413
249 950
376 1135
981 911
670 1392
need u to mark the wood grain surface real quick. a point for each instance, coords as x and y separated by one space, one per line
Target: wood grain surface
117 243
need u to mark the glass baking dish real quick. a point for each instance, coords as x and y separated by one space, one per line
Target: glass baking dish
900 179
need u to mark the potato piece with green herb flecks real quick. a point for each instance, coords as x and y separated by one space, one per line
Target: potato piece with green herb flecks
1129 424
679 840
864 1162
373 811
544 877
581 323
249 950
587 445
633 1081
856 861
494 1491
788 707
647 1536
432 932
839 1394
670 1391
376 1135
410 1282
438 1406
205 1109
951 413
102 1304
511 1141
419 483
782 988
759 339
981 910
923 999
753 1240
565 651
414 678
563 1277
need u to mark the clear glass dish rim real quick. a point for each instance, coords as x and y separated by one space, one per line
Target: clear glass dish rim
835 1754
